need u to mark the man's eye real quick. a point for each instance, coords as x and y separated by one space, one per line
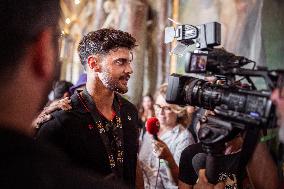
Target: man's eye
120 62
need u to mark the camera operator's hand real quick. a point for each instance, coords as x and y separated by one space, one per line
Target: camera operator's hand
234 146
211 79
203 183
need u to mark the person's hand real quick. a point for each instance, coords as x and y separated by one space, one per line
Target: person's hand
63 104
210 79
234 146
202 182
45 116
41 119
161 150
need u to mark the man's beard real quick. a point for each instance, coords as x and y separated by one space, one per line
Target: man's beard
113 83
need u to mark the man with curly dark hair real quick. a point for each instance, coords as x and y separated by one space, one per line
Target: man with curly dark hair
99 132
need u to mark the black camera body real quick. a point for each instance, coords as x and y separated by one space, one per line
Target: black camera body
232 101
243 107
237 105
215 61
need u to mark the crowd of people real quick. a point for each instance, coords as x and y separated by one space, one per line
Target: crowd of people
89 135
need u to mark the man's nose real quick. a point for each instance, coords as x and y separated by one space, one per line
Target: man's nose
129 69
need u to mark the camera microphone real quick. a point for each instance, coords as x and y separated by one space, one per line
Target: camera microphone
153 126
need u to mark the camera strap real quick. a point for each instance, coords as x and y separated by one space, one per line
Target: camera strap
250 142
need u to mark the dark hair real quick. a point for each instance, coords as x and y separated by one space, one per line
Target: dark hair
20 23
60 88
102 41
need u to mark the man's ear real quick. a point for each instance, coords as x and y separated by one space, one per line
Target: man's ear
44 56
93 63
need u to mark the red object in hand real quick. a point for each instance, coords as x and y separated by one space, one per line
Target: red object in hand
153 126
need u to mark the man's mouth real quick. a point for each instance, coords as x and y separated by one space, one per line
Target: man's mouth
125 79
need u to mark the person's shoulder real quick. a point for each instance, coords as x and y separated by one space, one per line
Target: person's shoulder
77 111
77 104
61 117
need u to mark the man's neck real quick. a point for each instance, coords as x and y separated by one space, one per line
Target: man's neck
102 96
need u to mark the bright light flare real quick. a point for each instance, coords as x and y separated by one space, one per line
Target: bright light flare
67 21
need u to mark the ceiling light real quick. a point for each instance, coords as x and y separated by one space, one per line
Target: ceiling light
77 2
67 21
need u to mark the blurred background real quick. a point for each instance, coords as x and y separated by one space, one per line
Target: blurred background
250 28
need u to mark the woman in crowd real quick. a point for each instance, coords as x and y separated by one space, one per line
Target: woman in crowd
160 158
146 110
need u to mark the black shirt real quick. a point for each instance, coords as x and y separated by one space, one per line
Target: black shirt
77 134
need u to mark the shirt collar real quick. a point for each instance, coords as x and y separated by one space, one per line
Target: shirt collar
84 103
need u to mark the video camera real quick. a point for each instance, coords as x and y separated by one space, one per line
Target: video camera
235 99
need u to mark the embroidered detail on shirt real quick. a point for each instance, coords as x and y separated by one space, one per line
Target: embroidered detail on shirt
129 118
100 127
229 179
